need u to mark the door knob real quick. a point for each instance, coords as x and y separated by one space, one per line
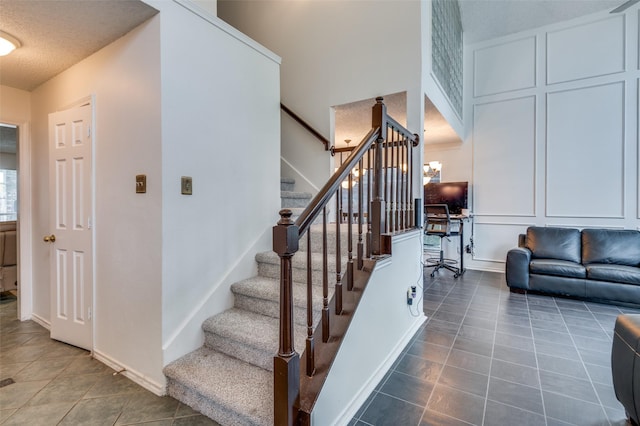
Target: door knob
49 238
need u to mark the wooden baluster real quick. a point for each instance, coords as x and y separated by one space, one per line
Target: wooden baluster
403 186
338 267
309 344
398 203
391 199
369 199
412 176
387 190
325 279
350 234
286 364
360 213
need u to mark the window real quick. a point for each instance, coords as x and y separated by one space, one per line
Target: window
8 195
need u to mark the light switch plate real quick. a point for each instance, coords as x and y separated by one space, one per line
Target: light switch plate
187 185
141 184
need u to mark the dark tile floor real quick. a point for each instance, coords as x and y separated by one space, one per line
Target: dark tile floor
488 357
483 357
58 384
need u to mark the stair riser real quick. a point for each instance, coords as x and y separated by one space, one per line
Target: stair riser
289 202
272 308
299 275
286 186
316 243
243 352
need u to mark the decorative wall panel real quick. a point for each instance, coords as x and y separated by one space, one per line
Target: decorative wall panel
505 67
585 152
587 50
493 240
504 157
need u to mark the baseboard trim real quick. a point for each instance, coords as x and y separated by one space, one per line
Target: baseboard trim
39 320
352 408
133 375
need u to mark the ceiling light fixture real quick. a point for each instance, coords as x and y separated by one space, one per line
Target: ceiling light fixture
8 43
430 170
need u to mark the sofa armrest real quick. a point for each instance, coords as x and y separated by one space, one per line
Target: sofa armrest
517 268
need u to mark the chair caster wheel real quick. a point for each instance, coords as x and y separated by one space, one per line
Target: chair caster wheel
433 274
456 275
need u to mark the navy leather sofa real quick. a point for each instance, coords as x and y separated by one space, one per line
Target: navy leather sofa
601 264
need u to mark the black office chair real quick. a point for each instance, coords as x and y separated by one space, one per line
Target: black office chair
438 222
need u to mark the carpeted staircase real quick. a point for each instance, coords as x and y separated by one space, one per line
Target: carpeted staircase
229 378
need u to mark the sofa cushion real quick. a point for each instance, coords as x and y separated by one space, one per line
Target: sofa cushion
614 273
554 243
561 268
618 246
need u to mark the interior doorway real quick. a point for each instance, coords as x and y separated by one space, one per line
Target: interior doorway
9 167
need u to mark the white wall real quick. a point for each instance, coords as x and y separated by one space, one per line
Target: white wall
333 53
124 77
221 126
551 137
380 329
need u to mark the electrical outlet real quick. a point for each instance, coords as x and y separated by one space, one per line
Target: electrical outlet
409 297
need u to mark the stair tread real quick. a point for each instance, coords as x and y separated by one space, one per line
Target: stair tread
287 180
234 384
300 260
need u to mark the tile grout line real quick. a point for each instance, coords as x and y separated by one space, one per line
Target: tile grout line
451 348
493 346
535 355
595 391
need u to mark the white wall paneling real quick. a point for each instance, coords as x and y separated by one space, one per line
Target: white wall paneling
585 152
560 149
505 67
503 157
586 50
494 240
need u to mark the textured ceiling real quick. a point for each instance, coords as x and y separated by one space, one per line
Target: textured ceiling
55 34
486 19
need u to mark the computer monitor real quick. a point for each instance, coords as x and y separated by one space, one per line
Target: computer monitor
453 194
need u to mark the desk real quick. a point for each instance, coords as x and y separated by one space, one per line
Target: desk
457 219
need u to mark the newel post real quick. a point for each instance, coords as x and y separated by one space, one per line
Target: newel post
286 364
378 212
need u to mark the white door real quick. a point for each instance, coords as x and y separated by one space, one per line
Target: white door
70 217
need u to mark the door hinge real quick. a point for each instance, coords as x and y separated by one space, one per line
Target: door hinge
89 314
88 223
88 131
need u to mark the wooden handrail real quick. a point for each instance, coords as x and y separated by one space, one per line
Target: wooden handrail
304 124
386 154
321 199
